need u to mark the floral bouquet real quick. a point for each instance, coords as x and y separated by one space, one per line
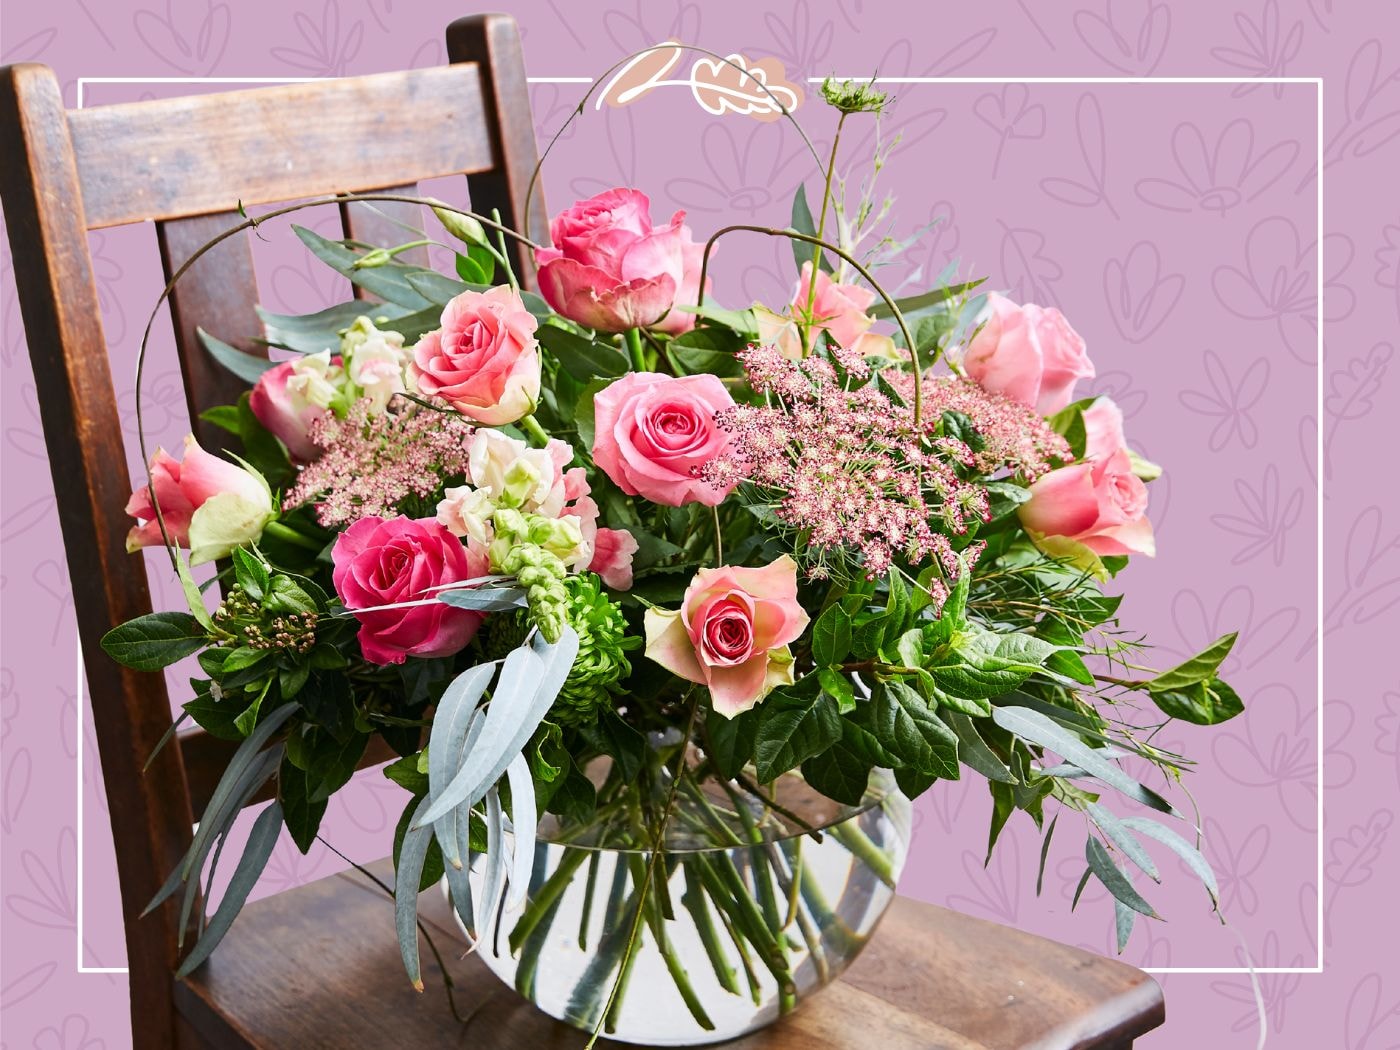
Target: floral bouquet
666 608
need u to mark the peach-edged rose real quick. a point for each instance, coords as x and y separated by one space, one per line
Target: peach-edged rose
208 504
1099 502
731 633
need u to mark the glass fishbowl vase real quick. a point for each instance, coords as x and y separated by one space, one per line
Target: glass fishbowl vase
760 897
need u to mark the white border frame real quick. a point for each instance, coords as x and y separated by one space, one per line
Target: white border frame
1317 82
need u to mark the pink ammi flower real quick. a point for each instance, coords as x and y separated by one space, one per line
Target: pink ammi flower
653 434
731 633
484 359
207 504
1027 353
611 269
387 561
1098 503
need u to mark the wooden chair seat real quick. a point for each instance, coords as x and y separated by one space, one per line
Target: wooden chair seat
319 967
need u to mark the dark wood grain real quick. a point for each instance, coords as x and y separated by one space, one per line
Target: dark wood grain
206 757
188 163
218 293
318 967
492 42
205 153
63 325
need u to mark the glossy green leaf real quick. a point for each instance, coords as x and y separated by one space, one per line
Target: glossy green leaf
155 640
906 726
792 730
831 636
582 358
1200 668
1205 703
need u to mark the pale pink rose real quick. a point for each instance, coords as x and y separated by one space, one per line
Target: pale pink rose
611 270
387 561
285 411
1027 353
1099 502
652 431
839 309
484 360
731 633
184 488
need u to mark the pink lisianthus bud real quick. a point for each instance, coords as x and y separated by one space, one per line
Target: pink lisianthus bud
731 633
837 309
208 504
280 404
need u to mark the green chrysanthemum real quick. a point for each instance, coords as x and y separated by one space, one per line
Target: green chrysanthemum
602 644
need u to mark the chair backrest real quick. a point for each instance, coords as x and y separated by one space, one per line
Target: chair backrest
189 164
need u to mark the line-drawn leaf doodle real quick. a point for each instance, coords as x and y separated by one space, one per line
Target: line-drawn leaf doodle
1093 148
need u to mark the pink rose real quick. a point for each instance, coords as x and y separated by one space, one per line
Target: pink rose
286 412
1099 502
385 561
221 504
1028 353
611 270
731 633
484 360
839 309
652 432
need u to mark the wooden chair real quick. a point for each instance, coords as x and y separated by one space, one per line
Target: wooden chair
318 966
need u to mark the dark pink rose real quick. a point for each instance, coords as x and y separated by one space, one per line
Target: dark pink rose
385 561
611 270
653 432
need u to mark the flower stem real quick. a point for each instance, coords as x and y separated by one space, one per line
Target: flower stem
537 434
821 233
290 535
633 338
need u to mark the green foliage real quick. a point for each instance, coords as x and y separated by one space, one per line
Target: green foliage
707 350
581 357
155 640
802 222
791 729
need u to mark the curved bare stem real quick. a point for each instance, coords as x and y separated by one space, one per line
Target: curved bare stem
249 224
841 253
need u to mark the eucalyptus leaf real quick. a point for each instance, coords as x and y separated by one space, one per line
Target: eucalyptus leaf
529 682
1113 879
256 852
485 599
523 820
1036 728
389 281
245 366
925 301
413 853
1178 845
1123 838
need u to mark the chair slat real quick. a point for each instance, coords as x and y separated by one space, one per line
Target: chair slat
219 294
386 224
493 43
206 757
175 157
63 325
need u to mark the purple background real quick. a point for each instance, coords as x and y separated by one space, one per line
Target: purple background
1175 225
